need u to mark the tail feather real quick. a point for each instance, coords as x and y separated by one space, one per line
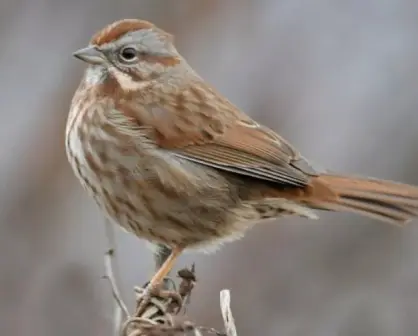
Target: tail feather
387 201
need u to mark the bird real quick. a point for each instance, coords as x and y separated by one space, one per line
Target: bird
171 160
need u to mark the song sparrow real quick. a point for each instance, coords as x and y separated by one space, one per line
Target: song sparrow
171 160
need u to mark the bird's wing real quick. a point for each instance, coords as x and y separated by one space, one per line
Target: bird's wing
253 151
221 137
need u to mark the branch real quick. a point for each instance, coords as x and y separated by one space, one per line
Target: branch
229 321
161 317
161 314
109 275
120 311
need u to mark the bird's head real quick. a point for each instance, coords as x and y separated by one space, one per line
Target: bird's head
134 52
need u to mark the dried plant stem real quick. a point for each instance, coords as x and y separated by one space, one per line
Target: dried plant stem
159 316
229 322
120 311
110 276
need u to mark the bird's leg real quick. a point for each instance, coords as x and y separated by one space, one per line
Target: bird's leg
166 267
161 254
157 279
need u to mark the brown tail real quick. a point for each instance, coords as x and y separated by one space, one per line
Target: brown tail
384 200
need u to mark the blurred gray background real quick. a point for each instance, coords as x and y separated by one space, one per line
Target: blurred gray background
337 78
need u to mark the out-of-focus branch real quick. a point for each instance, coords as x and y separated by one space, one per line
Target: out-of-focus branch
229 321
120 311
111 277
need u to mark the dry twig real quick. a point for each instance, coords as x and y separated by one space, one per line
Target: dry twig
120 311
229 321
111 277
160 318
161 314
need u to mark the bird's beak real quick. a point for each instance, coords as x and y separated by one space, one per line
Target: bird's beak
90 54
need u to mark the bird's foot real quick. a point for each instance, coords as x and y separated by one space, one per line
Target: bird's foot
154 293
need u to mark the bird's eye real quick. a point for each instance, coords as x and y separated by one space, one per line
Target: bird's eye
128 54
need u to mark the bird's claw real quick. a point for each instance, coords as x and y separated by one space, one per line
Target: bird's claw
150 291
144 298
168 284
